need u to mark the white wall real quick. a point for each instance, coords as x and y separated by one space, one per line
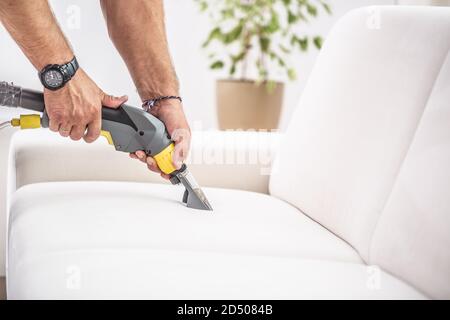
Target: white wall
186 30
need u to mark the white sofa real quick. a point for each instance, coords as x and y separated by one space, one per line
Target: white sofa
357 204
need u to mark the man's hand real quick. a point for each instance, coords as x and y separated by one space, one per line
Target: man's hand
75 109
171 113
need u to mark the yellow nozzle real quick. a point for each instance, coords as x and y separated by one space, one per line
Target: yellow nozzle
27 121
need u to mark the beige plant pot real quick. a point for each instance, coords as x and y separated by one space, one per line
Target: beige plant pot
245 105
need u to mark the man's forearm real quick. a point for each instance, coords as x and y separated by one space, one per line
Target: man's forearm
137 29
35 30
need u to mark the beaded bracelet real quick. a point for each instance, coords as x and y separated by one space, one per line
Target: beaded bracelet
148 104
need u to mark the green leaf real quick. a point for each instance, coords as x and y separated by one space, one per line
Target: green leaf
292 75
239 57
303 43
318 41
203 6
312 10
228 13
293 40
234 34
274 24
264 42
232 69
217 65
327 7
216 33
292 18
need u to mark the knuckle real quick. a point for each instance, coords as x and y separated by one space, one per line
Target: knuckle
96 113
56 117
78 116
55 112
94 109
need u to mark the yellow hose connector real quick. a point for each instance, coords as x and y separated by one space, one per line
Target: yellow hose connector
27 121
164 159
15 122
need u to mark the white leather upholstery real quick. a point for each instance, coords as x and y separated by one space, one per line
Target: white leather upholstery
134 240
412 238
351 135
358 116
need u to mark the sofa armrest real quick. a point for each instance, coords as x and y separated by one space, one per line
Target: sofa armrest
5 142
236 160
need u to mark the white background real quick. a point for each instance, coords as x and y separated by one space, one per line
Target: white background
187 29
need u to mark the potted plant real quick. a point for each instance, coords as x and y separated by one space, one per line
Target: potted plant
252 41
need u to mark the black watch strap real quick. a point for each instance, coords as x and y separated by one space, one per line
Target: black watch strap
69 69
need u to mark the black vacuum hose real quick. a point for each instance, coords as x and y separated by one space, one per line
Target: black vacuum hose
13 96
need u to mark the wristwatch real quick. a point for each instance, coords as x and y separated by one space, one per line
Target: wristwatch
55 76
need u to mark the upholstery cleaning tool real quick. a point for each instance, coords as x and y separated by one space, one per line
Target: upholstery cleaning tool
128 128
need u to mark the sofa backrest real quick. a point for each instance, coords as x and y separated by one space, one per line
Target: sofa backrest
367 152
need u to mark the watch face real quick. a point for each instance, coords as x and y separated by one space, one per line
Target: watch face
53 78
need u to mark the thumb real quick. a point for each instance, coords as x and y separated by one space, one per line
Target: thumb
113 102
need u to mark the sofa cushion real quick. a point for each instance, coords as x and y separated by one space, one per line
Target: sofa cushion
134 215
145 273
358 115
75 220
412 238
